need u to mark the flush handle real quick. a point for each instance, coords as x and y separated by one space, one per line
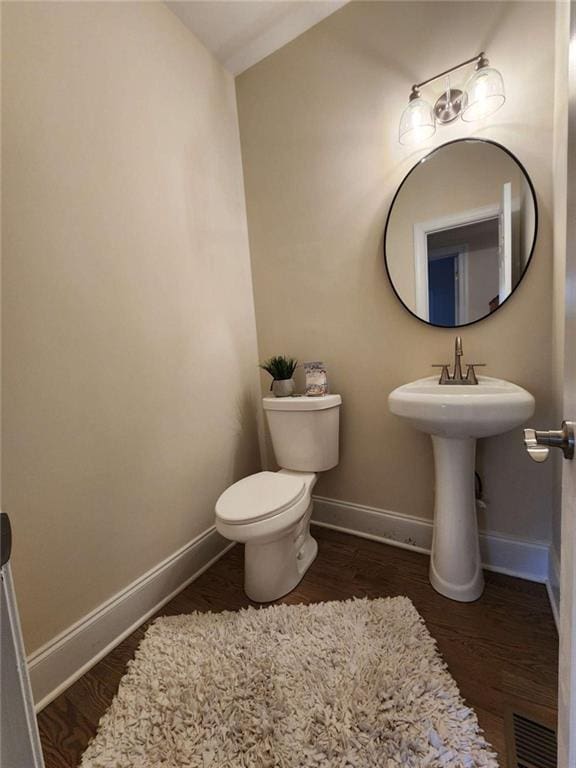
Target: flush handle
538 443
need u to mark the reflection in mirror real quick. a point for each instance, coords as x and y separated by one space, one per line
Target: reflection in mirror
460 232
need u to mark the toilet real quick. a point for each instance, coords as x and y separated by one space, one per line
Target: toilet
270 512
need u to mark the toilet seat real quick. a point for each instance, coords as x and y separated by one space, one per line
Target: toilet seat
260 497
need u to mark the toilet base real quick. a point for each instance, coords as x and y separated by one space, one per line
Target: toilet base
274 568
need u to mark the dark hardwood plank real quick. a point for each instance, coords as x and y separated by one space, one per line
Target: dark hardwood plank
502 650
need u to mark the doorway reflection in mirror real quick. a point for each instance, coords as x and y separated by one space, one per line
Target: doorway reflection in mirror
460 232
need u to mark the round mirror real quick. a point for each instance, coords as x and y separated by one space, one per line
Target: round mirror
460 232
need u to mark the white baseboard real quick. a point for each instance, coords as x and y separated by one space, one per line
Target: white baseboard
64 659
504 554
553 585
59 663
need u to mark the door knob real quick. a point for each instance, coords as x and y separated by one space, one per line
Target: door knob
538 444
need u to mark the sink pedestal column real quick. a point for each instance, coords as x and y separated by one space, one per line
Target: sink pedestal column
455 567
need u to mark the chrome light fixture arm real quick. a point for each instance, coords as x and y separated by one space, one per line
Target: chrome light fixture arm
480 59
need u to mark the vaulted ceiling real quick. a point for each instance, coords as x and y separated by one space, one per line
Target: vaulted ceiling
242 32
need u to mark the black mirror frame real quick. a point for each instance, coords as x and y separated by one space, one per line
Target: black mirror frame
391 208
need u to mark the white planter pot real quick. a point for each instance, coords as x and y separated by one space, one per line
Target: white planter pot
283 387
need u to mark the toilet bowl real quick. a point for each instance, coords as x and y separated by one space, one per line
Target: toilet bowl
269 512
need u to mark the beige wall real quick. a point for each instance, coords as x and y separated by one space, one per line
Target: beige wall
318 123
129 348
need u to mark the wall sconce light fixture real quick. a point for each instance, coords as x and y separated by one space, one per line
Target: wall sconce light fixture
483 94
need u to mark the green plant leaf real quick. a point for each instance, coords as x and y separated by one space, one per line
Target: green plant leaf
280 367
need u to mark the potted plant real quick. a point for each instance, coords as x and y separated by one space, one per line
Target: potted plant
281 369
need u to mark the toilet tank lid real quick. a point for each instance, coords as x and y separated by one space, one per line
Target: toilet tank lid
301 403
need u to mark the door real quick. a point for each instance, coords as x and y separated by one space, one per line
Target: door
567 438
442 290
567 686
505 255
19 740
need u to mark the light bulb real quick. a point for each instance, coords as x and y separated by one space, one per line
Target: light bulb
484 92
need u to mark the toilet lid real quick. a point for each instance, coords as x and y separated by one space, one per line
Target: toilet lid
259 496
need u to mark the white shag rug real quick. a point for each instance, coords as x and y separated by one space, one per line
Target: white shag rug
357 683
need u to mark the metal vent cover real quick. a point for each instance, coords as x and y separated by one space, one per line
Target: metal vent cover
533 745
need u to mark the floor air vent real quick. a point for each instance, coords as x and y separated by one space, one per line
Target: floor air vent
533 745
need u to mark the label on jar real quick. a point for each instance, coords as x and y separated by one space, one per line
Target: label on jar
316 379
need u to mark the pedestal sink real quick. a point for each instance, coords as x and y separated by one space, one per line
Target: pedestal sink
455 416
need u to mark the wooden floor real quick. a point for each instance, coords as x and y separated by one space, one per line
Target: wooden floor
502 650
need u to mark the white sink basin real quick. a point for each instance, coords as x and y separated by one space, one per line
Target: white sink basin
455 415
489 408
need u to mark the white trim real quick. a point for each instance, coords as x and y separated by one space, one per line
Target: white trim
522 558
65 658
463 285
421 230
553 584
421 270
21 745
505 250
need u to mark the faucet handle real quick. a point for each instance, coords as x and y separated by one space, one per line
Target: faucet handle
471 373
444 374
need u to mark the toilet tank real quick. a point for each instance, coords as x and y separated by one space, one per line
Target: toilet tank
304 431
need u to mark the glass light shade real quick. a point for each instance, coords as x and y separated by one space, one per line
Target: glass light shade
417 122
484 94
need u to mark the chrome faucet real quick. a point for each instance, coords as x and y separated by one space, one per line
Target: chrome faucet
457 378
457 355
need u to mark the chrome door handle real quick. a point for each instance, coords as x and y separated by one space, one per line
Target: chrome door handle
538 444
